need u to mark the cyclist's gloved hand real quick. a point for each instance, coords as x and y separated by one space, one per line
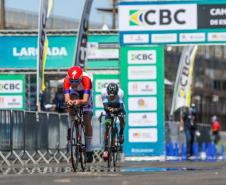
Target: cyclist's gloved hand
70 102
76 102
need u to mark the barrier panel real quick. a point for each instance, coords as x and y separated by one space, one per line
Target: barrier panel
30 137
5 130
30 130
42 131
63 126
17 130
53 131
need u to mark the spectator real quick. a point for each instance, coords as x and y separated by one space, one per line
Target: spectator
188 124
215 129
59 100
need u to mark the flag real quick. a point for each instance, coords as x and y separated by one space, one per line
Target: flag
45 51
82 36
182 86
45 9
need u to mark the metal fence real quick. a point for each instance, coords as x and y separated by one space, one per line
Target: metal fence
31 137
34 138
173 134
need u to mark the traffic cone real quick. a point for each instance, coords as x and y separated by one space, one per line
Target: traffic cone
196 151
183 152
203 152
209 157
214 151
176 152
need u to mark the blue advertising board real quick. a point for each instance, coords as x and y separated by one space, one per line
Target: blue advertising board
20 52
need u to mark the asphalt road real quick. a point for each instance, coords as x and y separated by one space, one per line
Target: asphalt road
129 173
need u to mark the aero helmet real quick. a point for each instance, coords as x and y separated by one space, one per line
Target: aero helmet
112 89
75 74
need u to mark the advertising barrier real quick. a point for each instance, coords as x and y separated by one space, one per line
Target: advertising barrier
142 79
12 92
172 22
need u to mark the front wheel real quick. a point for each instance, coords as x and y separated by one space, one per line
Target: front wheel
74 149
109 146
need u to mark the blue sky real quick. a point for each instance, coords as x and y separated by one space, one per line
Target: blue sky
66 8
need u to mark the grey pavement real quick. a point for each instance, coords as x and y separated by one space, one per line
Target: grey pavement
129 173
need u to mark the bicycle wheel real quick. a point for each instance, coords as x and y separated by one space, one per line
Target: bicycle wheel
82 150
115 147
74 148
109 145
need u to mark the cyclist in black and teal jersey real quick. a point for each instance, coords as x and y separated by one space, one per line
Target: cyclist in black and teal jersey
112 98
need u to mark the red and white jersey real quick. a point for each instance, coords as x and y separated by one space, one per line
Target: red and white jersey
84 87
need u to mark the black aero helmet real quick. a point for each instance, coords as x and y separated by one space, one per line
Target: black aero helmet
112 89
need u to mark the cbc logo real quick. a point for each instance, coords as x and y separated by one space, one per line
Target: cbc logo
141 57
157 17
10 86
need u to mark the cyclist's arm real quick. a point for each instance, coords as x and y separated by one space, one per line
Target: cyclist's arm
83 101
87 84
67 98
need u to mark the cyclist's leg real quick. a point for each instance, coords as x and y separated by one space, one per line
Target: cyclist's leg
108 121
122 126
71 111
88 134
88 129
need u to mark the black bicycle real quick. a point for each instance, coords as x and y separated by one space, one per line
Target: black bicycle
113 144
77 141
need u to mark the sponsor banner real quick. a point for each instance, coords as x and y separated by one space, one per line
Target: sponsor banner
82 36
98 101
142 103
142 88
192 37
143 135
102 51
157 17
212 16
101 84
142 57
143 119
141 72
183 84
217 36
163 38
142 81
103 54
136 38
11 86
166 22
12 89
11 102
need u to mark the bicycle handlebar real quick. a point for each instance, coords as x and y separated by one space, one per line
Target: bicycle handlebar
111 114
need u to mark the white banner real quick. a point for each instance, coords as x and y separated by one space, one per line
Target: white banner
11 86
142 88
141 57
182 86
157 17
143 135
11 102
143 119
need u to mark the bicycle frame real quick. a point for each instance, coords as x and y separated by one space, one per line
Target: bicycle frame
113 145
78 149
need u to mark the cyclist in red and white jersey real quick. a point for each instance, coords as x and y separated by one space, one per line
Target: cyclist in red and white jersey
78 91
